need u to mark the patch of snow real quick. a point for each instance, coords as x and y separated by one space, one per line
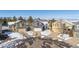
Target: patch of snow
63 36
11 43
37 29
45 23
42 36
16 35
11 23
5 27
30 33
46 33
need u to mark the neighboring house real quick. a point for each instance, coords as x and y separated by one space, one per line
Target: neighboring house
4 25
17 26
37 28
76 24
68 27
68 24
76 29
37 23
63 26
43 24
57 27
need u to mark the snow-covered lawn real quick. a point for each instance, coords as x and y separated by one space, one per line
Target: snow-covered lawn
16 35
45 33
13 35
11 43
30 33
5 27
37 29
16 38
63 37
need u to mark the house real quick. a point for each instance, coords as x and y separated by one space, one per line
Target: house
4 24
57 27
68 27
40 26
63 26
18 26
76 29
43 24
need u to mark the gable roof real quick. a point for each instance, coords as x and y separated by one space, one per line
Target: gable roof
12 23
69 22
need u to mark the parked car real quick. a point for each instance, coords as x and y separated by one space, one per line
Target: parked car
13 35
3 36
6 32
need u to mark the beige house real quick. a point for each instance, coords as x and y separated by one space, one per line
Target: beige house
57 27
68 28
62 26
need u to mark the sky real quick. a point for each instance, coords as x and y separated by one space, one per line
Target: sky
46 14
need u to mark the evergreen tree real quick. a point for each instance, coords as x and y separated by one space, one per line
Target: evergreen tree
14 18
20 18
50 24
30 20
53 20
5 23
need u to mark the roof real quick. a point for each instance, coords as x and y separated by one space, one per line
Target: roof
67 21
12 23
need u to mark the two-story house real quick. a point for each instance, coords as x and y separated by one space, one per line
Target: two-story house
18 26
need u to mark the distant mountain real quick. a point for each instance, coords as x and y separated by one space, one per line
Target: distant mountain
73 20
